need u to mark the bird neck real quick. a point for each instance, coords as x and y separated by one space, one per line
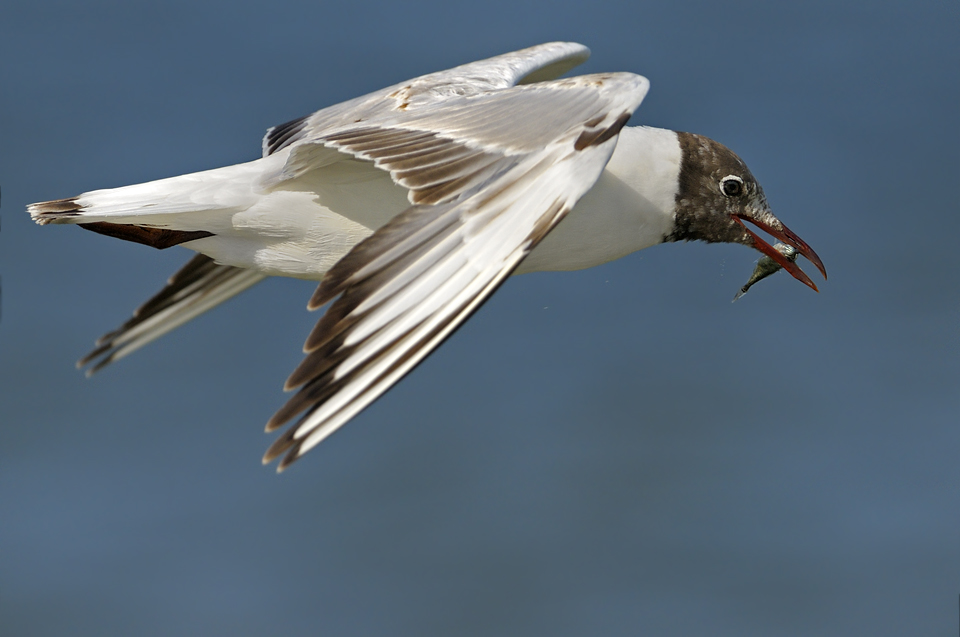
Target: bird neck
648 160
631 206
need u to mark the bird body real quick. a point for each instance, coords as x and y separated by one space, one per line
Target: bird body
412 204
301 227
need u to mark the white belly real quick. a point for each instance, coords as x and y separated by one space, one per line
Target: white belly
304 226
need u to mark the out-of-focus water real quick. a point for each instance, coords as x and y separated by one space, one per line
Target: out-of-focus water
614 451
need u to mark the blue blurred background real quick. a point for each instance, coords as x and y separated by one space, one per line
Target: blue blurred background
618 451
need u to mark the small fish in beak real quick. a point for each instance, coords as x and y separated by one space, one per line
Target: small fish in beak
767 266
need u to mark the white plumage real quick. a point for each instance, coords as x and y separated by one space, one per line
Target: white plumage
411 205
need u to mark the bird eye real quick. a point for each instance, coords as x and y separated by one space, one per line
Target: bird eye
731 186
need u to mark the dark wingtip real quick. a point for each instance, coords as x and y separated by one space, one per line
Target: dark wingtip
283 135
278 420
96 353
100 364
322 295
292 456
279 446
294 405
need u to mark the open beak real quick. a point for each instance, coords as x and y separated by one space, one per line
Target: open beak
785 235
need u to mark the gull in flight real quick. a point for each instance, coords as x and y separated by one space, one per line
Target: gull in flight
411 205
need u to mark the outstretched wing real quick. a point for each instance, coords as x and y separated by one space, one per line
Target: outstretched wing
535 64
195 288
489 174
201 284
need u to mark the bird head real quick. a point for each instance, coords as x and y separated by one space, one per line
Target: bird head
718 193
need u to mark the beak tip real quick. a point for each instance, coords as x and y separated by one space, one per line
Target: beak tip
787 236
814 258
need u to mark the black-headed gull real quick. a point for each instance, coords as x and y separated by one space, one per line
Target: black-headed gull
411 205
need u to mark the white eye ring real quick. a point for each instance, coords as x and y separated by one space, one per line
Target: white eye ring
731 186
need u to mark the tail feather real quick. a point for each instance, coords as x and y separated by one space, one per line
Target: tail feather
165 203
48 211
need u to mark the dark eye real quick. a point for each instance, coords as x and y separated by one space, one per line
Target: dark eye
731 186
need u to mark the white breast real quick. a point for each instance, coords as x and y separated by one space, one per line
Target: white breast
631 206
304 226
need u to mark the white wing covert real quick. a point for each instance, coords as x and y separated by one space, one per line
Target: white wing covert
489 174
533 64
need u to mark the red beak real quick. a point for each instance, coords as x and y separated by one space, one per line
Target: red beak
785 235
